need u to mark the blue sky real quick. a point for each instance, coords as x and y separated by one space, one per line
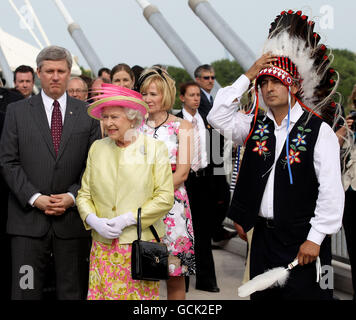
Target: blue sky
119 33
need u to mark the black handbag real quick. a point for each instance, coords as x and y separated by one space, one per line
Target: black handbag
149 260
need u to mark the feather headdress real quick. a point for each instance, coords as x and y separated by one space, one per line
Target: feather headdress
303 59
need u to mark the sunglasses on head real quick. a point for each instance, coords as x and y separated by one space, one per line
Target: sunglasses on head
209 77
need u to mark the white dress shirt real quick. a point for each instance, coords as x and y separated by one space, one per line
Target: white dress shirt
330 202
48 105
202 135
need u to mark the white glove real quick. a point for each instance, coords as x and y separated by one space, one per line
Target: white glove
122 221
100 225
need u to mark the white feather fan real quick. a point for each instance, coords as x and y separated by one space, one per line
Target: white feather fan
274 277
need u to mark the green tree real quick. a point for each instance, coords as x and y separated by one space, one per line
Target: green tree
345 64
226 71
180 76
86 72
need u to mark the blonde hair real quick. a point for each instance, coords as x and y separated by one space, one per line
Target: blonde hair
166 86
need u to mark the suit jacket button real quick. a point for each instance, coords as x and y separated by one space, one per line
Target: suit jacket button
113 208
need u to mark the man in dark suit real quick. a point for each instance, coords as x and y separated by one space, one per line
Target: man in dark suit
43 151
205 77
6 97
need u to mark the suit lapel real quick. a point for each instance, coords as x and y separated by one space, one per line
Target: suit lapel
207 125
40 118
70 118
205 106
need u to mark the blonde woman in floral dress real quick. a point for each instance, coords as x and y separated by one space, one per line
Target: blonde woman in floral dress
158 91
124 172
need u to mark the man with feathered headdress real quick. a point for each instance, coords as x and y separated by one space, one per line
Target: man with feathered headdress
289 187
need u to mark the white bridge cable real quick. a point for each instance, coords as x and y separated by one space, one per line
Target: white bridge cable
26 24
66 15
37 21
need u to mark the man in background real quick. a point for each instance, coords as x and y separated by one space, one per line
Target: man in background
6 97
24 80
77 88
104 73
205 77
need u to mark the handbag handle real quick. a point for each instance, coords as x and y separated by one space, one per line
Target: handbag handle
139 229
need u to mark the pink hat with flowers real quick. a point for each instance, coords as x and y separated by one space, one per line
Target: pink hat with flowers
111 95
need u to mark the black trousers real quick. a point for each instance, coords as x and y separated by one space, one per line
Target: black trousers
349 224
5 266
200 193
221 196
268 251
30 260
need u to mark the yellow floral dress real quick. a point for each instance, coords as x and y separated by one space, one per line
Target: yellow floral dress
110 275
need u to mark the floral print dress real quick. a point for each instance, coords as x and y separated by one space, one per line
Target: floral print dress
179 236
110 275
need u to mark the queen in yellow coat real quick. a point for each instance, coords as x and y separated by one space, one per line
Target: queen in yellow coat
124 172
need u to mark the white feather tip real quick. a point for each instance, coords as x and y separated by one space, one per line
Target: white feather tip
274 277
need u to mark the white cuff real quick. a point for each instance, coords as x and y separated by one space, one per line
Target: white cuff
36 195
316 236
242 81
241 85
34 198
73 198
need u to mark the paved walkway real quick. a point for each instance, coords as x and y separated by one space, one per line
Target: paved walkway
229 270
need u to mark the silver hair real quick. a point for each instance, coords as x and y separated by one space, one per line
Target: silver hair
54 53
131 115
136 115
81 80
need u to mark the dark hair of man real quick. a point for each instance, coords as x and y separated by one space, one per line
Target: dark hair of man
205 67
24 69
102 70
87 80
184 86
137 70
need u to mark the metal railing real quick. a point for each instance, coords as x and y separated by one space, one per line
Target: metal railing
339 248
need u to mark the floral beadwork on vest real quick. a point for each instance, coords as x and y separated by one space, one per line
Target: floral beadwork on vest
298 147
261 136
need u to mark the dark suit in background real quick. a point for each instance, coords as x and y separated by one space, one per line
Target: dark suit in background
221 188
6 97
205 105
29 165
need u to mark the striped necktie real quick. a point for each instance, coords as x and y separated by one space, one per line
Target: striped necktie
196 163
56 126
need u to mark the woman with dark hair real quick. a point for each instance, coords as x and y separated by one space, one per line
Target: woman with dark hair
122 75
